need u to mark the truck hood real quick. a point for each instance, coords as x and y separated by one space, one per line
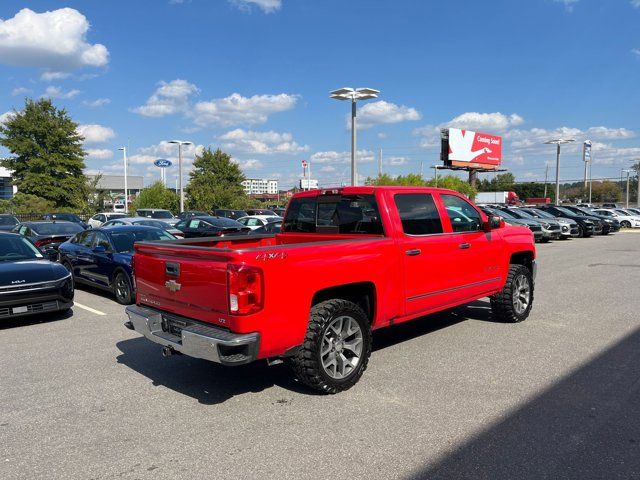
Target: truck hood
30 271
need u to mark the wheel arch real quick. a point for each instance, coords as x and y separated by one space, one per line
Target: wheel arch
362 294
522 258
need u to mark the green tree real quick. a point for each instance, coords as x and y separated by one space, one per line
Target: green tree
157 196
25 203
454 183
215 182
414 180
48 155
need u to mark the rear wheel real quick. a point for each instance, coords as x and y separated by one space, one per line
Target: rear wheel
625 224
122 289
336 348
514 302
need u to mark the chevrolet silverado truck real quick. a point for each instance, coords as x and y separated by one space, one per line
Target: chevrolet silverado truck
347 261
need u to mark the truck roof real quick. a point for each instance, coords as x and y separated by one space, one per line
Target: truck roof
367 190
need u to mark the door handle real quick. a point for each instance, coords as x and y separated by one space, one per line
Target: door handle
464 246
414 252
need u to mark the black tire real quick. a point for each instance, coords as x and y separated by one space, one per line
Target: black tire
307 362
625 224
505 306
580 232
122 289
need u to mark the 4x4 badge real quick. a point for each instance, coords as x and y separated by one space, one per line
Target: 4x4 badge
172 286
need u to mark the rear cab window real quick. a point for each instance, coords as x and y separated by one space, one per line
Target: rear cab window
418 213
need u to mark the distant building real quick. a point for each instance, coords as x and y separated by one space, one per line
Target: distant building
113 185
308 184
260 186
7 190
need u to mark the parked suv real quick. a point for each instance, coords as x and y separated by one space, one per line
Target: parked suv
609 225
568 228
535 227
227 213
586 226
158 214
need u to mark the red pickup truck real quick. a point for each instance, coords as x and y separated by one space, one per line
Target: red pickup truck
348 261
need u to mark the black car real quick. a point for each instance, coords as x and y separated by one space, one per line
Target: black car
210 227
279 211
535 227
67 217
272 226
192 213
7 222
227 213
48 235
550 228
261 211
586 226
609 225
29 283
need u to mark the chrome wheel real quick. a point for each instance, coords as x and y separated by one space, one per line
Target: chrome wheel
122 288
521 294
341 347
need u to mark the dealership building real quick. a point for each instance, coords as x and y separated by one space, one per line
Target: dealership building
260 186
6 189
113 185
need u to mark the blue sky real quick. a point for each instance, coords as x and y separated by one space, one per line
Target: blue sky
253 78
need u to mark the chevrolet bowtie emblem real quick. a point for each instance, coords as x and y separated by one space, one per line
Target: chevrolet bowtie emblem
172 286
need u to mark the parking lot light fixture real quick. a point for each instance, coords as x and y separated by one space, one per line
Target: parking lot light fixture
626 203
558 142
354 94
180 143
126 196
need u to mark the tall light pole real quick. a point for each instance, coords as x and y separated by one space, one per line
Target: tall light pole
354 94
626 205
180 143
126 189
558 142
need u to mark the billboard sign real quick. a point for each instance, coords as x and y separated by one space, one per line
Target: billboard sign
162 163
465 148
586 151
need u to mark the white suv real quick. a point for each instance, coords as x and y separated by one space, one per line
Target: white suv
626 220
99 218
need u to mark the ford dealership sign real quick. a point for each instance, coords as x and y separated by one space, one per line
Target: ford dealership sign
162 163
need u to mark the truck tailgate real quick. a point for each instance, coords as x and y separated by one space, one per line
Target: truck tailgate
187 281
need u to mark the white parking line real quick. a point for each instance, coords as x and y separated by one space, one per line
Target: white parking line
89 309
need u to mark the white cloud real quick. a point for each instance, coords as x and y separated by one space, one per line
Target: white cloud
20 91
490 122
636 52
535 137
380 112
396 161
267 6
57 92
265 143
568 4
6 116
49 76
99 153
251 164
168 99
610 133
99 102
332 157
635 3
94 133
236 109
53 40
328 169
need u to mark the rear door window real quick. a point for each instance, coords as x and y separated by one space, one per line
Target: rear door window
418 214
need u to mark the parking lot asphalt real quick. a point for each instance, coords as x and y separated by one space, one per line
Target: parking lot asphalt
453 395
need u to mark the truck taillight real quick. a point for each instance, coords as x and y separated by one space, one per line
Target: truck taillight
245 288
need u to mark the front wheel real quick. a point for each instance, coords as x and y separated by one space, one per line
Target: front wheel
122 289
513 303
336 348
625 224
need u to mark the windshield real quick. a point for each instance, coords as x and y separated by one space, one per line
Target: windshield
518 214
500 213
161 214
123 241
8 221
111 216
14 248
152 223
566 212
621 212
69 217
64 228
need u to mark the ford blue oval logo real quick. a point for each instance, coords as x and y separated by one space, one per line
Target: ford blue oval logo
162 163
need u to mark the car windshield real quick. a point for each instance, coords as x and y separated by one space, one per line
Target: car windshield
14 248
520 214
152 223
111 216
500 213
621 212
161 214
566 211
56 228
8 221
223 222
69 217
123 241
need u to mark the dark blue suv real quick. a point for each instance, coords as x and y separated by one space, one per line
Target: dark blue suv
102 257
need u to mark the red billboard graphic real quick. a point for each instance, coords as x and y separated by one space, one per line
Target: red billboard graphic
471 149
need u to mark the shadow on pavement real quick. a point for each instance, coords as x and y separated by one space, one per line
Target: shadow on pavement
211 383
36 319
586 426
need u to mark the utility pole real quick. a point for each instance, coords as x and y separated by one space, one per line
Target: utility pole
626 205
126 189
380 163
421 165
590 179
436 167
546 173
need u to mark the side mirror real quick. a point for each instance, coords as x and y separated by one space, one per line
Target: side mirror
495 221
99 249
51 254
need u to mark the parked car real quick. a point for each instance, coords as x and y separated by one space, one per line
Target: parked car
586 226
635 211
568 228
233 214
261 211
48 235
147 222
273 225
626 220
158 214
119 208
376 257
257 221
29 283
101 257
550 228
210 227
610 205
609 225
279 211
535 227
67 217
192 213
7 222
100 218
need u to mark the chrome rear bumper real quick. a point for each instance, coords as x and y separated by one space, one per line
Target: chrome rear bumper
196 339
